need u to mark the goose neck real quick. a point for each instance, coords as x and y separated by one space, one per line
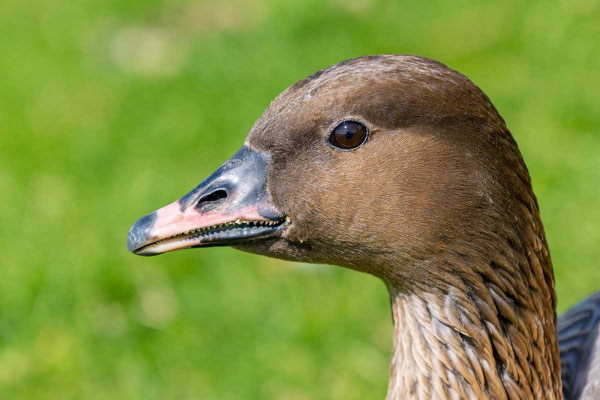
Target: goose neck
469 341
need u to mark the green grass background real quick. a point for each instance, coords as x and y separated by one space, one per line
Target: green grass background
110 109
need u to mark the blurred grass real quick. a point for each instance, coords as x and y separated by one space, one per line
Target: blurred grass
110 109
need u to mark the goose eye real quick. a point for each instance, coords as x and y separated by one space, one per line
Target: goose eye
348 135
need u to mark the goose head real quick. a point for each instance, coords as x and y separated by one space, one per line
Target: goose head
372 164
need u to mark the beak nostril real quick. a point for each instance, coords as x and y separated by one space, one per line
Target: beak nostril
215 197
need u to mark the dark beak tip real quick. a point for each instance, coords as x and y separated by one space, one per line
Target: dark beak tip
140 232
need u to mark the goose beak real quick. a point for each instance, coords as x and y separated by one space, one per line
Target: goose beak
232 206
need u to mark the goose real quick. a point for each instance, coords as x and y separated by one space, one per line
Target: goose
400 167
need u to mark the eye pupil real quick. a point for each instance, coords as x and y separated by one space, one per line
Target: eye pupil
348 135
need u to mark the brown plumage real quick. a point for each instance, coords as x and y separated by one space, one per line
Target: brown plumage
437 203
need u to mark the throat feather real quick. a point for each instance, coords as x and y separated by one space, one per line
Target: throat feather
468 341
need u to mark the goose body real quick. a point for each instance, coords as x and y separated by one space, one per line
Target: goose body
401 167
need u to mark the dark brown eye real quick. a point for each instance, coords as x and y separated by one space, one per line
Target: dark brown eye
348 135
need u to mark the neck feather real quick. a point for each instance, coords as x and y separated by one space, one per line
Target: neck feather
479 336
